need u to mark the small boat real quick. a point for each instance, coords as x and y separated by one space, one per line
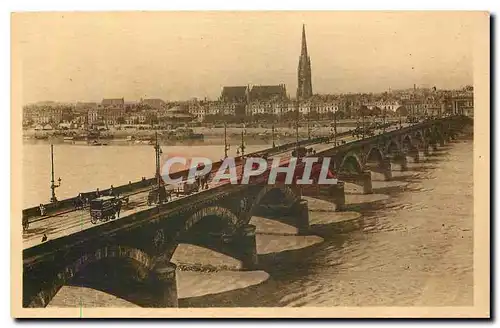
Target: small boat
68 139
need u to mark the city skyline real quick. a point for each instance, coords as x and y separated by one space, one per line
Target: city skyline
88 57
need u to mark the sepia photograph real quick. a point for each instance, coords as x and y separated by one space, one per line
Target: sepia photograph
250 164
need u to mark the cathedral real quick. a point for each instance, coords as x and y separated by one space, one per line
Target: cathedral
304 86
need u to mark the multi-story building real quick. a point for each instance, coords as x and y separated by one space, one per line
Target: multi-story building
384 105
462 101
48 115
106 116
326 107
137 118
259 107
198 109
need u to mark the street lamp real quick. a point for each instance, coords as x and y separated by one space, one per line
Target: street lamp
158 153
308 125
226 146
297 124
363 124
383 120
400 122
272 133
53 186
242 146
335 128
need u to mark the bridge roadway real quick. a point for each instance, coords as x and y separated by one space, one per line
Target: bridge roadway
73 221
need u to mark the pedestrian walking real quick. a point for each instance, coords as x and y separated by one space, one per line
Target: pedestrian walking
118 208
42 210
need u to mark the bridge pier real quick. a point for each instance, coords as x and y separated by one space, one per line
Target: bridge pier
401 160
245 247
415 155
363 179
337 193
384 167
239 244
301 213
426 149
367 182
164 286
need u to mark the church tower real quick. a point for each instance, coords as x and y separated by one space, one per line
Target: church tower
304 86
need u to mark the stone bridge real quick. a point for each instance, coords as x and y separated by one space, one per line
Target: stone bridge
353 162
137 249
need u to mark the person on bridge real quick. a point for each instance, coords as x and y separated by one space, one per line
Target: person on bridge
118 208
44 238
97 193
82 200
111 191
42 210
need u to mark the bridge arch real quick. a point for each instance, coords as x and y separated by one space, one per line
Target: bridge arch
143 261
351 163
225 218
419 137
374 155
392 147
407 142
429 135
288 196
437 133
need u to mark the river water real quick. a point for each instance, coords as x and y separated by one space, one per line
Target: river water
408 244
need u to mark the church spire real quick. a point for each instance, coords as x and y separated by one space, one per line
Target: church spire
304 86
304 42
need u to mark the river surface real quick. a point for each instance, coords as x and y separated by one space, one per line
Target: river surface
408 244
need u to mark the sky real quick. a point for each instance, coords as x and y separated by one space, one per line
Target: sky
180 55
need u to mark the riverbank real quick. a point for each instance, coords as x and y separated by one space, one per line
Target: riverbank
211 132
211 136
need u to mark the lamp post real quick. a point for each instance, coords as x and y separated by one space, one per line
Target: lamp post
297 125
272 134
308 125
335 128
226 146
53 186
157 163
400 122
363 123
383 122
242 146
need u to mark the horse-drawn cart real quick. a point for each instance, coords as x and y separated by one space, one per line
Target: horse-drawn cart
103 208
